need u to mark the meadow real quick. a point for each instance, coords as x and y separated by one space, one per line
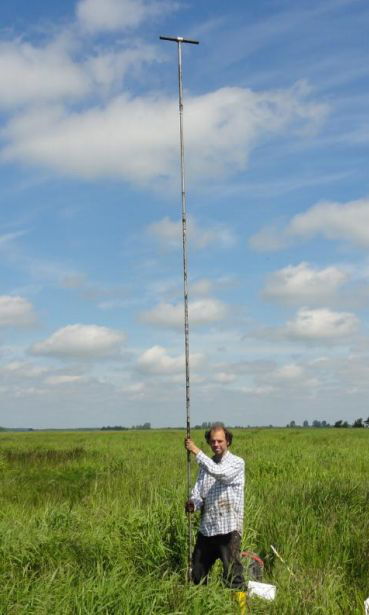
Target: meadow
93 522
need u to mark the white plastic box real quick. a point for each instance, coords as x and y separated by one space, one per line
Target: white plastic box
263 590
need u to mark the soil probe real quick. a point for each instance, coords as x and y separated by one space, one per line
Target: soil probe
179 40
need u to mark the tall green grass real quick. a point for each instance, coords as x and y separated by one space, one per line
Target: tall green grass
93 522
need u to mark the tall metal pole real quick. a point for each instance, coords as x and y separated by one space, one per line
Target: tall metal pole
179 40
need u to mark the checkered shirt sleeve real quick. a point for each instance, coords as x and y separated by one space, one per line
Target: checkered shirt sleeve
219 494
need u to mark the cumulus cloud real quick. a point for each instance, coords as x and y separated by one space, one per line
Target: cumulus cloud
33 74
347 221
304 284
169 234
136 138
156 360
321 325
107 69
80 342
111 15
49 73
334 221
16 311
225 125
201 312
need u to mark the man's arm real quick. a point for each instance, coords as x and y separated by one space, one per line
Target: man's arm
191 446
195 497
195 502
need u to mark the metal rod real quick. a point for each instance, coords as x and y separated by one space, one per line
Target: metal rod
179 40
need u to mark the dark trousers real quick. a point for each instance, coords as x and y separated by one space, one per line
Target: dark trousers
225 547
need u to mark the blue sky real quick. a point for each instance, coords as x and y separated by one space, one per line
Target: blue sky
276 137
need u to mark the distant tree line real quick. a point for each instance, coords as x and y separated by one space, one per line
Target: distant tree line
121 428
204 425
114 428
358 423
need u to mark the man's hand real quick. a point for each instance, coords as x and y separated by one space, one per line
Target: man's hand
189 506
191 446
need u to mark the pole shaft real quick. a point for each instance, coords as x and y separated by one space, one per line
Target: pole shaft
179 40
185 297
184 242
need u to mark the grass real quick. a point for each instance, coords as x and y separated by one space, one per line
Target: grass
93 522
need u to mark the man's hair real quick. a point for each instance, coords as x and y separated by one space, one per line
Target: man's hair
214 427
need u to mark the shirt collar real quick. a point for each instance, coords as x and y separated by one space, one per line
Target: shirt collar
222 458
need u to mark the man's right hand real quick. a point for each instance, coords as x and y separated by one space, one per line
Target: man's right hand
189 506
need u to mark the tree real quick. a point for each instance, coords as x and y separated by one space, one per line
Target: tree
338 423
358 423
292 424
317 423
367 422
144 426
305 423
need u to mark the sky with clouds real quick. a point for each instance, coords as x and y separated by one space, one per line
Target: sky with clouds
276 143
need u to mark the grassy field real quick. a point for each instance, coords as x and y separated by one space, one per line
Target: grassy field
93 522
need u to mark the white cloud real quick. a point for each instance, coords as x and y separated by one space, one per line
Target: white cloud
156 360
304 284
222 127
288 372
129 138
224 377
45 74
59 379
321 325
203 311
30 74
16 311
347 221
21 370
135 390
169 234
202 287
335 221
81 341
107 69
268 239
290 378
136 138
110 15
10 237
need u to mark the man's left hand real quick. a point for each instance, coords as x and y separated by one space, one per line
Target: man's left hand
191 446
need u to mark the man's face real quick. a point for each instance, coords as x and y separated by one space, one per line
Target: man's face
218 442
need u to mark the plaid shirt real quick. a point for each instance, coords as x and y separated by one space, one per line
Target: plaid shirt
218 493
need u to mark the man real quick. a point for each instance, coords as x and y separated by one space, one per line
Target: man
218 494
